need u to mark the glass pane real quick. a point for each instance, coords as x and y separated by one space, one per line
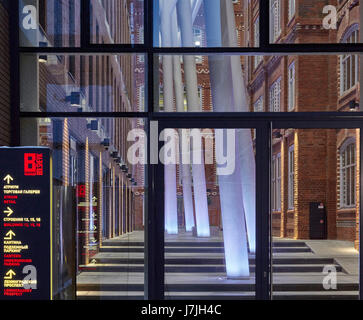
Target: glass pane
99 192
210 218
49 23
117 21
217 23
222 83
82 83
315 21
315 243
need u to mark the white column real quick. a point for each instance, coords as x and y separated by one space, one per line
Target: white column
191 81
233 215
171 212
245 153
230 186
179 99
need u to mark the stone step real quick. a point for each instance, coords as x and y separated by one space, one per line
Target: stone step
201 268
317 295
121 295
197 249
214 261
197 243
290 288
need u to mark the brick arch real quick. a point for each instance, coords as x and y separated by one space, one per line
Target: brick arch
346 142
348 31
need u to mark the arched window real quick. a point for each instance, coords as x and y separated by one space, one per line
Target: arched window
348 174
276 182
348 62
275 20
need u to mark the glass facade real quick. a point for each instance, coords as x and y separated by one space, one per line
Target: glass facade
99 192
198 152
50 23
315 215
306 21
200 24
82 83
210 214
209 85
116 22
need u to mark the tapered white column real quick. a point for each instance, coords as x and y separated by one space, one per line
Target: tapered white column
245 155
191 81
185 171
171 211
230 186
233 215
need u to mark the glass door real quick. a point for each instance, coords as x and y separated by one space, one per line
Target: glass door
209 212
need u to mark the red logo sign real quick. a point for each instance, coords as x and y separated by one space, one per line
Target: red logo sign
81 191
33 164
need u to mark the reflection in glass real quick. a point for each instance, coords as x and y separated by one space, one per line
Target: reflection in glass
82 83
56 23
315 217
318 21
187 23
98 204
49 23
117 22
223 83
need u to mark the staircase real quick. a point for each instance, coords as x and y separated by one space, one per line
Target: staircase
196 270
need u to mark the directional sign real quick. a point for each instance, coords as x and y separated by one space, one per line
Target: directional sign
9 275
25 224
9 235
8 211
8 179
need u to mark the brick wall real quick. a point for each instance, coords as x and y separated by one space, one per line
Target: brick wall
4 78
316 178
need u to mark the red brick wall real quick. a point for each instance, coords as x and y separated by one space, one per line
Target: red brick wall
316 178
4 78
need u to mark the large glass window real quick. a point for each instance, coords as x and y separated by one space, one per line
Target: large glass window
306 179
291 177
50 23
291 87
288 80
99 191
276 182
275 19
117 22
82 83
348 174
317 22
349 65
275 96
210 213
200 23
315 238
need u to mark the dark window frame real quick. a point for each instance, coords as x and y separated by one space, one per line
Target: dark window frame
263 121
